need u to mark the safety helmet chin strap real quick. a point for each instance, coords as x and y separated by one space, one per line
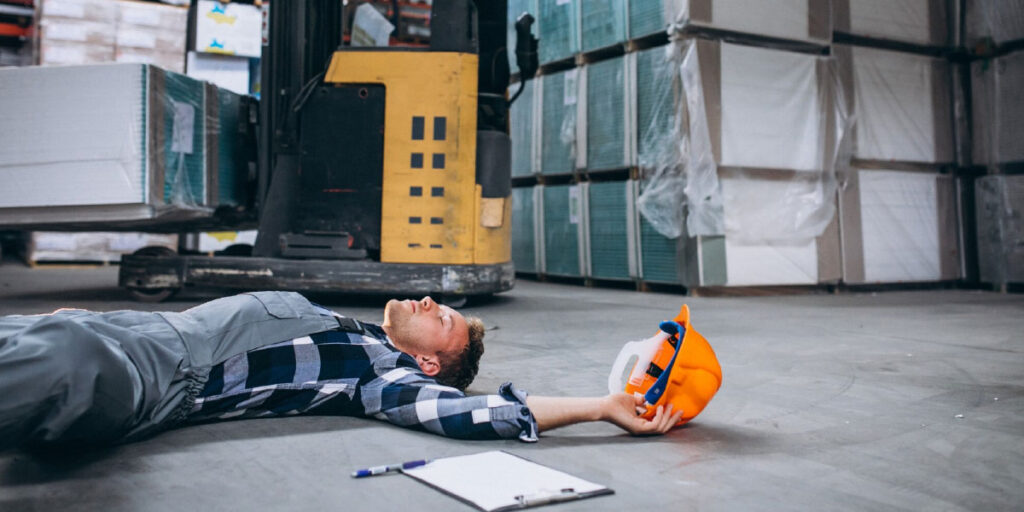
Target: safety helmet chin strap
658 388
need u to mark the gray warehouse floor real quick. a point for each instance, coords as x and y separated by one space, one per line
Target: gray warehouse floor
889 401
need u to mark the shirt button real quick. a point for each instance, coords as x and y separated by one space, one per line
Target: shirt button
524 411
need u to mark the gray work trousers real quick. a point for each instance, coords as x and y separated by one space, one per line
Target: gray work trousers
80 377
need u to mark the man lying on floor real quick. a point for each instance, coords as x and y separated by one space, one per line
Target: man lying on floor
82 377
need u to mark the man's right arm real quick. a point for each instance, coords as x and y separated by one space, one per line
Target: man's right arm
619 409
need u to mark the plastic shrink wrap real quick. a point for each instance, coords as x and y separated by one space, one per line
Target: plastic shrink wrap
999 203
920 22
125 144
756 165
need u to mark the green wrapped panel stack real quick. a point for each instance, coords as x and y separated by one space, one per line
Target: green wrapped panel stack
646 17
522 129
185 160
558 122
232 164
655 104
603 23
606 100
561 242
659 257
558 29
609 230
515 9
524 254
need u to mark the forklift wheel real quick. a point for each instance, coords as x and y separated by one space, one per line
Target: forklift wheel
153 295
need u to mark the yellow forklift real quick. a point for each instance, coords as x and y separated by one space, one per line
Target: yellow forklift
382 170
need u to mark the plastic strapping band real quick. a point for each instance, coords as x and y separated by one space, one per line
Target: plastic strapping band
658 389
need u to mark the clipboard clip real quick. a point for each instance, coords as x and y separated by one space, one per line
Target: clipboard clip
538 499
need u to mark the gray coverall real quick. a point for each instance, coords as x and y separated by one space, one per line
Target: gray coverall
94 378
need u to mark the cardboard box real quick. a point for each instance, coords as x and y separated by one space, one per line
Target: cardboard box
902 104
228 29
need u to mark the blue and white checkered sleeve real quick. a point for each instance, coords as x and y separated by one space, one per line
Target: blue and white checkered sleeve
407 398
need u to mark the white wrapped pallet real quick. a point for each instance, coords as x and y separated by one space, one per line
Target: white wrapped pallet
899 226
999 204
807 21
996 85
996 22
733 260
124 143
920 22
746 108
902 103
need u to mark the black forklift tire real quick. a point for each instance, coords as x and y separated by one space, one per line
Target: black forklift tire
152 295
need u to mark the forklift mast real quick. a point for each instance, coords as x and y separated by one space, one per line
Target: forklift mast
381 169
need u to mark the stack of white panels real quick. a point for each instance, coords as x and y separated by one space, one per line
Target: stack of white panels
806 21
921 22
899 226
115 143
765 108
998 111
902 104
1000 213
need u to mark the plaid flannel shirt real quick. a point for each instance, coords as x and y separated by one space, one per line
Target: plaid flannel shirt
351 374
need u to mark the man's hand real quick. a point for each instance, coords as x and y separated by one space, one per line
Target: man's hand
622 410
619 409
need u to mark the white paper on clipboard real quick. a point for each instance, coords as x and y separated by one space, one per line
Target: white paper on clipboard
498 480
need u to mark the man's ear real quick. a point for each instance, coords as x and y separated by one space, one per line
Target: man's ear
430 365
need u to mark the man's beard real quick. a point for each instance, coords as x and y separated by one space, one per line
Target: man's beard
398 317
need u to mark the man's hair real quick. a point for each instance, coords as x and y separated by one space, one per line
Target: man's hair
458 368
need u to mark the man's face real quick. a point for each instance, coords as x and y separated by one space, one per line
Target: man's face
425 327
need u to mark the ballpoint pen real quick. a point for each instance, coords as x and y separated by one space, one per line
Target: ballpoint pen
390 468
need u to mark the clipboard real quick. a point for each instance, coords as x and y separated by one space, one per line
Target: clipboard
498 480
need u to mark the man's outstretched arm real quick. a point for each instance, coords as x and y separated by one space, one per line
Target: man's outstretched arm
619 409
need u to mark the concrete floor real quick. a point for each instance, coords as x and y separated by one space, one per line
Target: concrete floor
829 402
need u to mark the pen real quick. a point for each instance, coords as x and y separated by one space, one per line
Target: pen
390 468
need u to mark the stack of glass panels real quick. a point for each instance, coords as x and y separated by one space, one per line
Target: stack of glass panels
646 17
558 122
606 100
562 223
603 23
558 29
521 129
609 229
524 254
